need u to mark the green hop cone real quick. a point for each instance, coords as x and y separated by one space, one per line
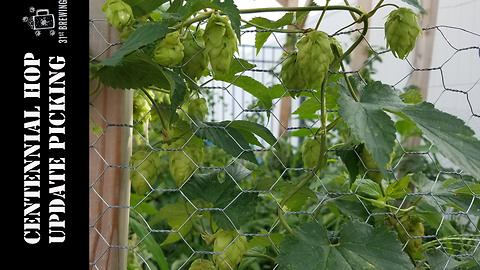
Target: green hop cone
201 264
118 13
141 111
195 58
337 51
370 165
184 162
220 44
147 170
197 109
290 75
314 57
232 254
310 151
141 107
169 51
401 31
412 224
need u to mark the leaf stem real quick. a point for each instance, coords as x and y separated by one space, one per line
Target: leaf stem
349 85
321 16
272 30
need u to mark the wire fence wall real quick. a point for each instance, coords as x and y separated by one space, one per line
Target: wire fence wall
228 102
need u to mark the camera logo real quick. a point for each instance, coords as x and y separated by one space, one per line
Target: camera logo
41 20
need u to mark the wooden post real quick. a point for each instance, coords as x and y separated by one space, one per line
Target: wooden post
109 181
424 48
360 55
423 55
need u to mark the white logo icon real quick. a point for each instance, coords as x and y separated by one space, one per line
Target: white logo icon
42 20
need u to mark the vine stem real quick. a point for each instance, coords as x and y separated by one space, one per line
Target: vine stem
321 156
321 16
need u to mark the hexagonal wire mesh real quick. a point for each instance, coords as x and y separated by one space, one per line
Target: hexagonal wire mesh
151 219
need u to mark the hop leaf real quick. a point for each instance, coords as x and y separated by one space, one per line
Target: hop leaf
232 253
169 51
118 13
201 264
220 44
401 31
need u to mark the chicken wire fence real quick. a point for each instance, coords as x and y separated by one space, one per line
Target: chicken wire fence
227 103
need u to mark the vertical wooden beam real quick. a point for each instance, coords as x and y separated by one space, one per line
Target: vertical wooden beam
360 55
423 54
108 180
286 101
424 48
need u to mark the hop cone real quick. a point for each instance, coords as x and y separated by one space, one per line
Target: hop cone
335 45
141 106
202 264
414 227
148 167
310 151
182 166
197 109
118 13
314 57
195 58
290 75
169 51
232 254
401 31
220 44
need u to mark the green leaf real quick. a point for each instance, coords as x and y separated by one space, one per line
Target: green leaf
261 37
177 218
237 171
248 129
369 123
379 95
399 188
152 245
143 7
308 107
137 70
439 260
451 136
252 86
301 15
367 188
415 4
227 138
177 93
360 246
221 194
442 193
412 96
143 35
